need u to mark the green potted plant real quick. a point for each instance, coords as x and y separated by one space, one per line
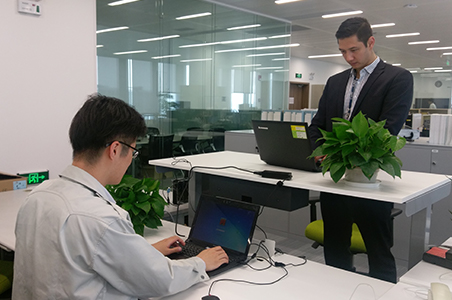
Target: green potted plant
141 199
361 143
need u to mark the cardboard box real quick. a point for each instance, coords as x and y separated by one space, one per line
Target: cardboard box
10 182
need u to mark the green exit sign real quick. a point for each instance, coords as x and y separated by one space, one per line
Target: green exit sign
36 177
297 75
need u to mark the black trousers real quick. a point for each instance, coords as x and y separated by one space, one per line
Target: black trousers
375 224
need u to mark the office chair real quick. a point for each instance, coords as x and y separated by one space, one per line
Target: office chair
188 143
217 141
152 131
6 275
314 230
159 146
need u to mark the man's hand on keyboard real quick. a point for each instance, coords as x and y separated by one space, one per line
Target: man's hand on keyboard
214 257
170 245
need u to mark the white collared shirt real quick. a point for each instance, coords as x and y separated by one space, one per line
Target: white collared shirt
355 85
74 242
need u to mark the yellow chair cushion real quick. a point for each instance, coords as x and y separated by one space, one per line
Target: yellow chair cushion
314 231
6 275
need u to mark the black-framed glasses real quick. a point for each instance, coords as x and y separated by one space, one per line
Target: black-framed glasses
135 150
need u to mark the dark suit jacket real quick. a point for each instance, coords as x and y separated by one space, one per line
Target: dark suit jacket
387 95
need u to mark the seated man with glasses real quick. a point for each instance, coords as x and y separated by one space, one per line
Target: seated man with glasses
74 242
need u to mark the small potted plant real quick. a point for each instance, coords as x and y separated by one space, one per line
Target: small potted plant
362 146
141 199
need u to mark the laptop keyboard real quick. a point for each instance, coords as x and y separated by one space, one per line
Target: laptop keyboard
190 250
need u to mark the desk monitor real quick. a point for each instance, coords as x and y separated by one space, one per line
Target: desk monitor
285 144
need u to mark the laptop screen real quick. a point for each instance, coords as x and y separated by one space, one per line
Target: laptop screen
224 222
285 144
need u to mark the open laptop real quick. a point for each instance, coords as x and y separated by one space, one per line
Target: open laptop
285 144
221 222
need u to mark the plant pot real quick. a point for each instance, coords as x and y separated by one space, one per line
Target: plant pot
357 175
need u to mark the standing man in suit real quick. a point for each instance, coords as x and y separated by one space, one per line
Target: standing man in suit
381 92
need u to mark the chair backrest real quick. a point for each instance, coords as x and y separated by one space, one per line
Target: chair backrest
152 131
160 146
218 138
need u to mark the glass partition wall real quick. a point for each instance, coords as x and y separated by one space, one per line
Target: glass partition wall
189 64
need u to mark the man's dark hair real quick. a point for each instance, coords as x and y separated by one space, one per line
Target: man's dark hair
102 120
355 26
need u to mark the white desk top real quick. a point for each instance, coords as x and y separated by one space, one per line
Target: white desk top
401 191
309 281
415 283
403 291
10 203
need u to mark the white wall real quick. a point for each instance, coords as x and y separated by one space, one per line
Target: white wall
322 70
47 69
313 71
424 86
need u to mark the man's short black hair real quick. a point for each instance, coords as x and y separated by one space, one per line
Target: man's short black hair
355 26
102 120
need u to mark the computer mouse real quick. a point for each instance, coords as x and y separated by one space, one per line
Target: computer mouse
210 297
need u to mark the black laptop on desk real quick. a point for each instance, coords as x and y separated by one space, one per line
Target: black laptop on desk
285 144
221 222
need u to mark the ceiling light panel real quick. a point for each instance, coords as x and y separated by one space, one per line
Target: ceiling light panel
112 29
324 55
285 1
382 25
438 48
158 38
130 52
166 56
402 35
194 16
244 27
423 42
116 3
266 54
347 13
195 60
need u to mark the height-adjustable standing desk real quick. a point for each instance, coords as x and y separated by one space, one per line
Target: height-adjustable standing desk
415 191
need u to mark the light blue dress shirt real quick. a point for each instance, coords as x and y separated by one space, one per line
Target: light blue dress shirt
74 242
355 85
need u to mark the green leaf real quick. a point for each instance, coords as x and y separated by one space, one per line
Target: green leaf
337 170
141 199
401 141
145 206
365 154
139 229
388 167
360 125
369 169
317 152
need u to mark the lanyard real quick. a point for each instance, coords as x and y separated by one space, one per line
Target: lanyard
350 103
96 194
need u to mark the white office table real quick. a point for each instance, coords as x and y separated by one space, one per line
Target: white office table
10 202
415 283
309 281
416 191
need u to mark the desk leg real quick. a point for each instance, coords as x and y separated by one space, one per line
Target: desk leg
419 236
428 222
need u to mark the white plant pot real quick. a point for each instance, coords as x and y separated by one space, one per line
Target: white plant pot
357 175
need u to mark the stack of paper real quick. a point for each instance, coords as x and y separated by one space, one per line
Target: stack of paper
416 122
440 129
